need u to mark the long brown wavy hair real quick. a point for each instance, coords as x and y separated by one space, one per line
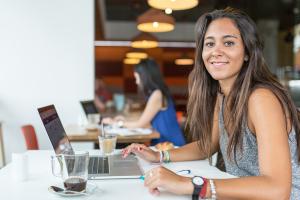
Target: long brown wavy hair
203 89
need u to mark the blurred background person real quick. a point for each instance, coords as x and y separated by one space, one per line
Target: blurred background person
159 111
102 95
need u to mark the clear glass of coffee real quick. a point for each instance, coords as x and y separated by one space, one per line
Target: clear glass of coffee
107 144
73 169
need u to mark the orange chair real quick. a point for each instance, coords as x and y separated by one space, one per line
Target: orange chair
179 116
30 137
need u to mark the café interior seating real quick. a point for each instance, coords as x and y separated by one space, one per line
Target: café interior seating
30 137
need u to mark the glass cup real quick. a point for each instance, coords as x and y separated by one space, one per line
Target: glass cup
93 118
93 121
107 144
119 100
73 169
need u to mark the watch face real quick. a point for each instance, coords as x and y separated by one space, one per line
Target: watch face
198 180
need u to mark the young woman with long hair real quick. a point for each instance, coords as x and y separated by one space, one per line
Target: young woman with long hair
235 106
159 111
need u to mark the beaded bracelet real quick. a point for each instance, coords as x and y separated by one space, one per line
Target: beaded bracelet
161 156
213 190
166 157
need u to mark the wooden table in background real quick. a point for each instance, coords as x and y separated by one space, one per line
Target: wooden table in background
82 135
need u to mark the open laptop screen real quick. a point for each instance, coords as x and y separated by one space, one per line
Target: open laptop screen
55 130
89 107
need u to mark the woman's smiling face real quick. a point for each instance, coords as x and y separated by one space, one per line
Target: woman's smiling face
223 50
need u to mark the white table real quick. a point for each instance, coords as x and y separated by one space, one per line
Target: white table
40 178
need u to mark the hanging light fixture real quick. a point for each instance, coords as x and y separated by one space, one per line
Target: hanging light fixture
144 41
184 60
131 61
168 11
173 4
137 53
155 20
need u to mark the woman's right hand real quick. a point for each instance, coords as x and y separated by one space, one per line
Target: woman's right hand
141 151
119 118
108 120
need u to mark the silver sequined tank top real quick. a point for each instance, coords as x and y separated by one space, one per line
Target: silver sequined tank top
247 161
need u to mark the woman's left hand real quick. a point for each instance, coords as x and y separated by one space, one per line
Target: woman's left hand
161 177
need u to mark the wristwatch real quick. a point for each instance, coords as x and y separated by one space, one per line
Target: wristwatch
198 183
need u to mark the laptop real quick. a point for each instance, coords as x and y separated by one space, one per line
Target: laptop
100 167
89 107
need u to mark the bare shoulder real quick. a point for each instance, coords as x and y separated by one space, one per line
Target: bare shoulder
264 108
156 94
263 103
156 97
263 97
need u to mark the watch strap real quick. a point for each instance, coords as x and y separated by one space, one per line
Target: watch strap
197 189
195 197
203 191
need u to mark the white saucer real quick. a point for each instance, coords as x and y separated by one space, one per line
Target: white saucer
90 188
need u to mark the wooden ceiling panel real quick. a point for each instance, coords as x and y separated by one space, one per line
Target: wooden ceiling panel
110 53
117 54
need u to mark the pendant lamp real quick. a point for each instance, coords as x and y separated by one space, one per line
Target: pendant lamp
173 4
131 61
144 41
184 60
155 20
137 53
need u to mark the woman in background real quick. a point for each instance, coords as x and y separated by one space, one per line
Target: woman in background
159 110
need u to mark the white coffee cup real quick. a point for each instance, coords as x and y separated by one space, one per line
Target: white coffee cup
93 118
19 166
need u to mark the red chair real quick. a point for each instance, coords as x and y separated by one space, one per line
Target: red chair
179 116
30 137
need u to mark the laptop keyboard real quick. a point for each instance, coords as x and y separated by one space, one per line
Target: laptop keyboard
98 165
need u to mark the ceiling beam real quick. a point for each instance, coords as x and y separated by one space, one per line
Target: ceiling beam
104 43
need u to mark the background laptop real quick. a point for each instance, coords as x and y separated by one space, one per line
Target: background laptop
89 107
100 167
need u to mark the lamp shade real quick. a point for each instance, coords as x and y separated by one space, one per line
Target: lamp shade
173 4
131 61
137 53
144 41
184 60
155 20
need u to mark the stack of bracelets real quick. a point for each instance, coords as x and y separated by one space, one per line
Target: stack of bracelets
164 157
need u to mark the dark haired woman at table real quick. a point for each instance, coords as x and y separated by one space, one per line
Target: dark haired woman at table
159 110
235 106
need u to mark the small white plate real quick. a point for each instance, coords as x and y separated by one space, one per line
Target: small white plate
90 188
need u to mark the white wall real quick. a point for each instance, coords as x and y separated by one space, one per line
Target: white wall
46 56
